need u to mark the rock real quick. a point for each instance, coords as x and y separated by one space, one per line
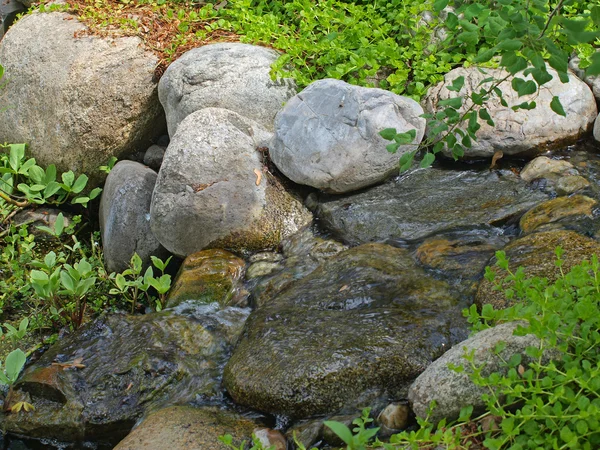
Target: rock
42 216
330 437
361 326
453 391
592 81
426 202
462 253
262 268
521 131
209 276
597 129
554 210
271 439
212 192
306 433
154 156
187 428
125 216
271 257
129 366
393 418
571 184
536 254
327 136
226 75
91 99
544 167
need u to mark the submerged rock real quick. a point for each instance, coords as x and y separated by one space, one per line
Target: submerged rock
536 254
520 131
209 276
426 202
212 192
361 326
76 98
555 210
327 136
95 384
226 75
544 167
187 428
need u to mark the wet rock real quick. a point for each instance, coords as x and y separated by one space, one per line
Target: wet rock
460 254
262 268
597 129
544 167
520 131
96 383
327 136
302 253
266 257
125 216
187 428
427 202
212 192
554 210
330 437
536 254
361 326
570 184
209 276
271 439
393 418
92 98
453 390
306 433
154 156
226 75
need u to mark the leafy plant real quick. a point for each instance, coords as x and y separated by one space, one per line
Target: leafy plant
14 334
360 436
12 367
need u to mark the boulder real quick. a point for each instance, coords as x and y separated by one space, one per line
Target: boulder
96 383
552 212
597 129
593 81
212 191
327 136
453 390
154 156
76 99
209 276
425 202
227 75
536 254
188 428
356 330
544 167
520 131
125 216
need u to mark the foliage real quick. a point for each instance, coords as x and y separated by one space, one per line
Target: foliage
523 37
12 367
360 436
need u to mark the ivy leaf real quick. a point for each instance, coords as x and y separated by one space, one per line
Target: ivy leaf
388 134
439 5
557 107
468 37
457 84
427 160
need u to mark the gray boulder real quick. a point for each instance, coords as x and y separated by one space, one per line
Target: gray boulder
327 136
354 332
154 156
521 131
597 129
228 75
452 390
592 81
212 191
125 216
75 98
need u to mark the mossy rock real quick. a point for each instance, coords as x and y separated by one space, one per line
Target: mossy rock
536 254
555 210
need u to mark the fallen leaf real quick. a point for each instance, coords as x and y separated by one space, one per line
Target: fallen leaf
258 174
343 288
17 407
498 155
521 370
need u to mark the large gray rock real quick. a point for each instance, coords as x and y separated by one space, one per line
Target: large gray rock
357 330
425 202
228 75
75 98
212 192
125 216
521 131
597 129
327 136
96 383
453 390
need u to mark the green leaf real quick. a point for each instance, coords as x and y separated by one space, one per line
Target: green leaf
16 155
341 430
457 84
95 193
14 363
50 174
68 178
80 184
393 147
428 160
510 44
485 55
438 5
59 225
67 281
406 161
523 87
406 138
485 115
455 102
594 67
388 134
557 107
468 37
